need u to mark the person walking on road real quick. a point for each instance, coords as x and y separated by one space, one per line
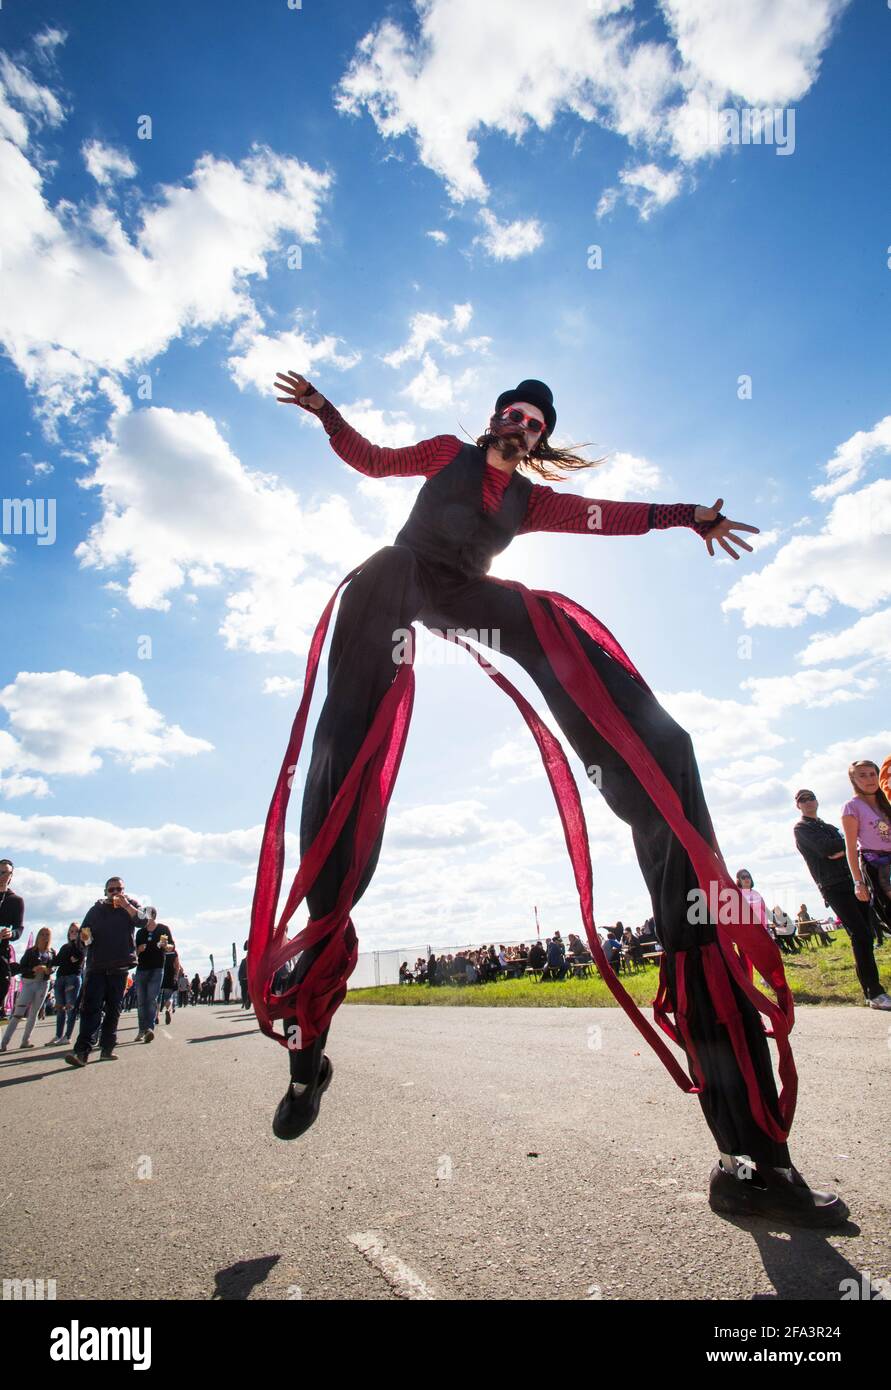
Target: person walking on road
67 986
154 943
167 997
36 966
243 981
108 931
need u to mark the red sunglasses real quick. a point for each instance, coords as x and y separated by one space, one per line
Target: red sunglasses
517 417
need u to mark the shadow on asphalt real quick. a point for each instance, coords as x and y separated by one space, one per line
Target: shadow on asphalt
32 1076
238 1280
225 1037
799 1263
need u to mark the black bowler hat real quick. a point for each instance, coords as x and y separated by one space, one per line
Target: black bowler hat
536 393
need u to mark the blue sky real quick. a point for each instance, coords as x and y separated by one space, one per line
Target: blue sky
443 171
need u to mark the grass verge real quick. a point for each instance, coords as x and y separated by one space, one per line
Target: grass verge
819 975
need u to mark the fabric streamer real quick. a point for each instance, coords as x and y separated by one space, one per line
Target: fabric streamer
370 781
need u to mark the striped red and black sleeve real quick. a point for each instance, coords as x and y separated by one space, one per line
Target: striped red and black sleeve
555 511
415 460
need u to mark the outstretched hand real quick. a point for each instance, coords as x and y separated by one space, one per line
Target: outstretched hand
722 532
295 388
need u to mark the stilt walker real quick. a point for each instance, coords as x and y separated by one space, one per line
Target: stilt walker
472 504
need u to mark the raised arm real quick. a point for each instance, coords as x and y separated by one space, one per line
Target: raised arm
555 511
415 460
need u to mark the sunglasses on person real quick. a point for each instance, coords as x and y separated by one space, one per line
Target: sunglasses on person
516 417
803 799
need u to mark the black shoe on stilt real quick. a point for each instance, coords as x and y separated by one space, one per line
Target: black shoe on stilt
767 1193
295 1114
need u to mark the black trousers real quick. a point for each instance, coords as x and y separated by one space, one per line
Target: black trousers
881 903
856 919
100 1009
393 590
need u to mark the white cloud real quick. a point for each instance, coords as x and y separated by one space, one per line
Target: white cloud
760 51
16 785
866 640
623 475
61 723
227 522
507 241
852 458
89 840
82 298
590 59
392 429
281 685
646 187
846 562
433 389
581 60
49 39
53 904
429 328
105 163
17 86
720 728
258 356
826 772
439 237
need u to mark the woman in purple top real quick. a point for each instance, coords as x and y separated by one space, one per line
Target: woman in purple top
866 820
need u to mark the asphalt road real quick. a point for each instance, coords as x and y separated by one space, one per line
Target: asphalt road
459 1154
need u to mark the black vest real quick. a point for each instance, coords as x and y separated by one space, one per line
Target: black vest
447 527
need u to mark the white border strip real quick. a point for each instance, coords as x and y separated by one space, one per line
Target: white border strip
401 1279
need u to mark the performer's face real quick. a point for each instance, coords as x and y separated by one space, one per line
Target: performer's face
515 439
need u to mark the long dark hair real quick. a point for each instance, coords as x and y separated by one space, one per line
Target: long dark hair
544 459
881 799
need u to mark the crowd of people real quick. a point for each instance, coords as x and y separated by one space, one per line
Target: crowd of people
552 959
850 867
119 957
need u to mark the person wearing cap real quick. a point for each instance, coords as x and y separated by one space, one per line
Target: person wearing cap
476 497
822 847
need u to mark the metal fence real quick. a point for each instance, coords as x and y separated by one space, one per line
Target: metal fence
382 967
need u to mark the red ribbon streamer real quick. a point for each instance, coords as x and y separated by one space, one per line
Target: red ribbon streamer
371 780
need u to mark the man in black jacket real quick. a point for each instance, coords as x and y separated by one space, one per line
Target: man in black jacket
822 846
111 926
12 920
